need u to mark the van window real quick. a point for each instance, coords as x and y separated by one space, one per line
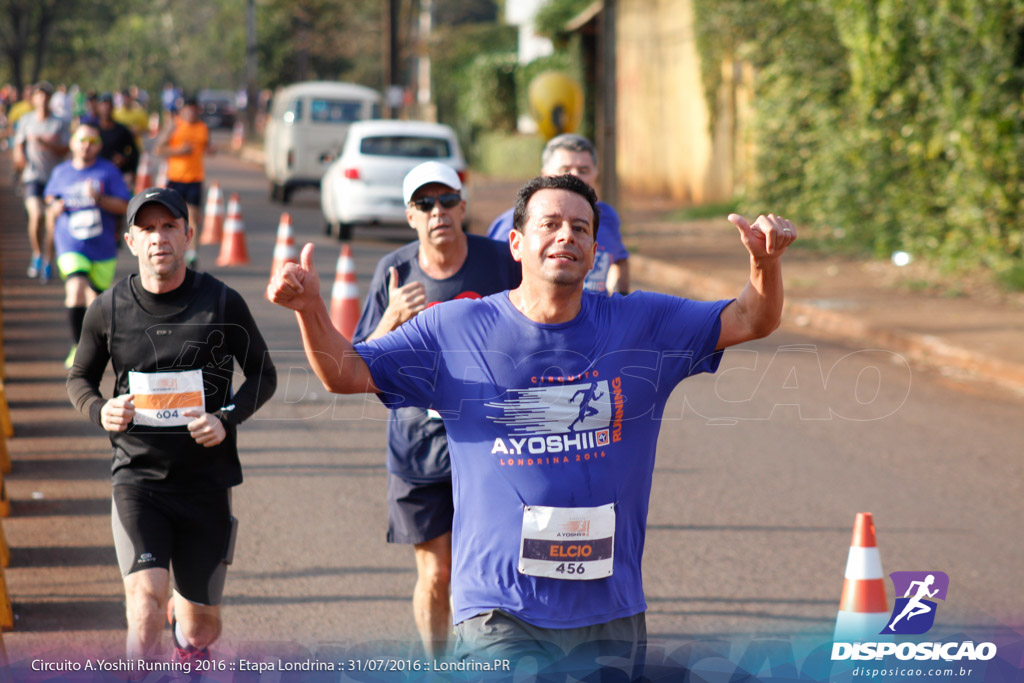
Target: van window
335 111
405 146
294 111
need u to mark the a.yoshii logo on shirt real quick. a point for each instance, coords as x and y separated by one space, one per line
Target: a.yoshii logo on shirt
561 423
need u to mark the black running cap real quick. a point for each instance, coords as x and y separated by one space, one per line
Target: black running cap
174 202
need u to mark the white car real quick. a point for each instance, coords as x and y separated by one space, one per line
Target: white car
363 186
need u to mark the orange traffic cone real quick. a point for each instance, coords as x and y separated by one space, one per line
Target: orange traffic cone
233 251
345 294
863 608
161 175
213 217
144 176
284 249
238 136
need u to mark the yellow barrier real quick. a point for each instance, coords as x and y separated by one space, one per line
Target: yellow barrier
5 413
3 365
5 456
6 612
5 550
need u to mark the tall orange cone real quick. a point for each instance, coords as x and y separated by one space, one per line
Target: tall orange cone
345 294
144 176
213 217
161 175
284 249
233 251
238 136
863 608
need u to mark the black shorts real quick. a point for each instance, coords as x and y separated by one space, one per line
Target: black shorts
193 534
35 188
418 512
192 193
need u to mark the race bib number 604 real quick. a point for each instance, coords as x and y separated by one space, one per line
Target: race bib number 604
576 544
161 398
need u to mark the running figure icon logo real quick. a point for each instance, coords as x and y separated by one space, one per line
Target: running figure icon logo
914 613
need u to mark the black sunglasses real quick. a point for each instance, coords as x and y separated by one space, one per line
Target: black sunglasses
449 200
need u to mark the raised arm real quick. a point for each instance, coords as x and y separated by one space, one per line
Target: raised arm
332 357
758 309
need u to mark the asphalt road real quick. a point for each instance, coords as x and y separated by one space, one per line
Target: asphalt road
761 470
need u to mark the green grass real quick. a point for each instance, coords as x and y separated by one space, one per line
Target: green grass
695 213
1012 278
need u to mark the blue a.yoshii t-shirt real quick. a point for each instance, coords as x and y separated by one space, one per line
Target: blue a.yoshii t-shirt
83 227
562 415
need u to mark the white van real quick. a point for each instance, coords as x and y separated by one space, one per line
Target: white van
306 128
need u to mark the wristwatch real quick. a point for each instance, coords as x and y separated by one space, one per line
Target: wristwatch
224 414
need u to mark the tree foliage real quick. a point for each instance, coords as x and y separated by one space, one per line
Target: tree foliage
894 124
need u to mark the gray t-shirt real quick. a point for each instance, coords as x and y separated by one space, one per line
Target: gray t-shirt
39 159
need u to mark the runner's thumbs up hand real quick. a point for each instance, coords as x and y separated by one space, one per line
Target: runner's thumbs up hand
404 301
768 236
296 286
117 413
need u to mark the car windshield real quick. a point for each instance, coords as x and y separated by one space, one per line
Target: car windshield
405 146
334 111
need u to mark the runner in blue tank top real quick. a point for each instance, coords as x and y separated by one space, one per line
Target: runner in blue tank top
552 399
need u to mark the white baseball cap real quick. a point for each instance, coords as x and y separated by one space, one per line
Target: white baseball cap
429 172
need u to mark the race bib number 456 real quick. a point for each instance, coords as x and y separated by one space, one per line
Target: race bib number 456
161 398
576 544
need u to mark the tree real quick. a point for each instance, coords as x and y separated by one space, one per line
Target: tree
25 32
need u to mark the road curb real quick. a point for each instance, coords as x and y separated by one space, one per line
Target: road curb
924 349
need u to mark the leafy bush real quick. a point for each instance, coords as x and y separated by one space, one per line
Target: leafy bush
896 125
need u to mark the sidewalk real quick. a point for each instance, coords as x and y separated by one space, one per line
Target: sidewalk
974 336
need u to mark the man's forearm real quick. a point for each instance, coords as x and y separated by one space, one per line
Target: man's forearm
760 302
333 358
618 277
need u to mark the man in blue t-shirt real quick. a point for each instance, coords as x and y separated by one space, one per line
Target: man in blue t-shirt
85 198
552 398
575 155
443 264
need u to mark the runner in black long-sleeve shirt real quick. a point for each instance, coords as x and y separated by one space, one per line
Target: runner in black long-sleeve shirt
172 336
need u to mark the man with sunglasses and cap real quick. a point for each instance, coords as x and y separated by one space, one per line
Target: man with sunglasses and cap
444 263
173 337
85 199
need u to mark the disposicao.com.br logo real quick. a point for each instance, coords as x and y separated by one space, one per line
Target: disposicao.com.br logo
914 614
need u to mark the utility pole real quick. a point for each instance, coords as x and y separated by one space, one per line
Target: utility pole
606 111
393 94
251 77
424 97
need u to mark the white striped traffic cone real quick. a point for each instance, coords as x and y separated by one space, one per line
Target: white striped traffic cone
213 217
345 294
863 608
237 136
233 251
284 248
144 174
161 175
